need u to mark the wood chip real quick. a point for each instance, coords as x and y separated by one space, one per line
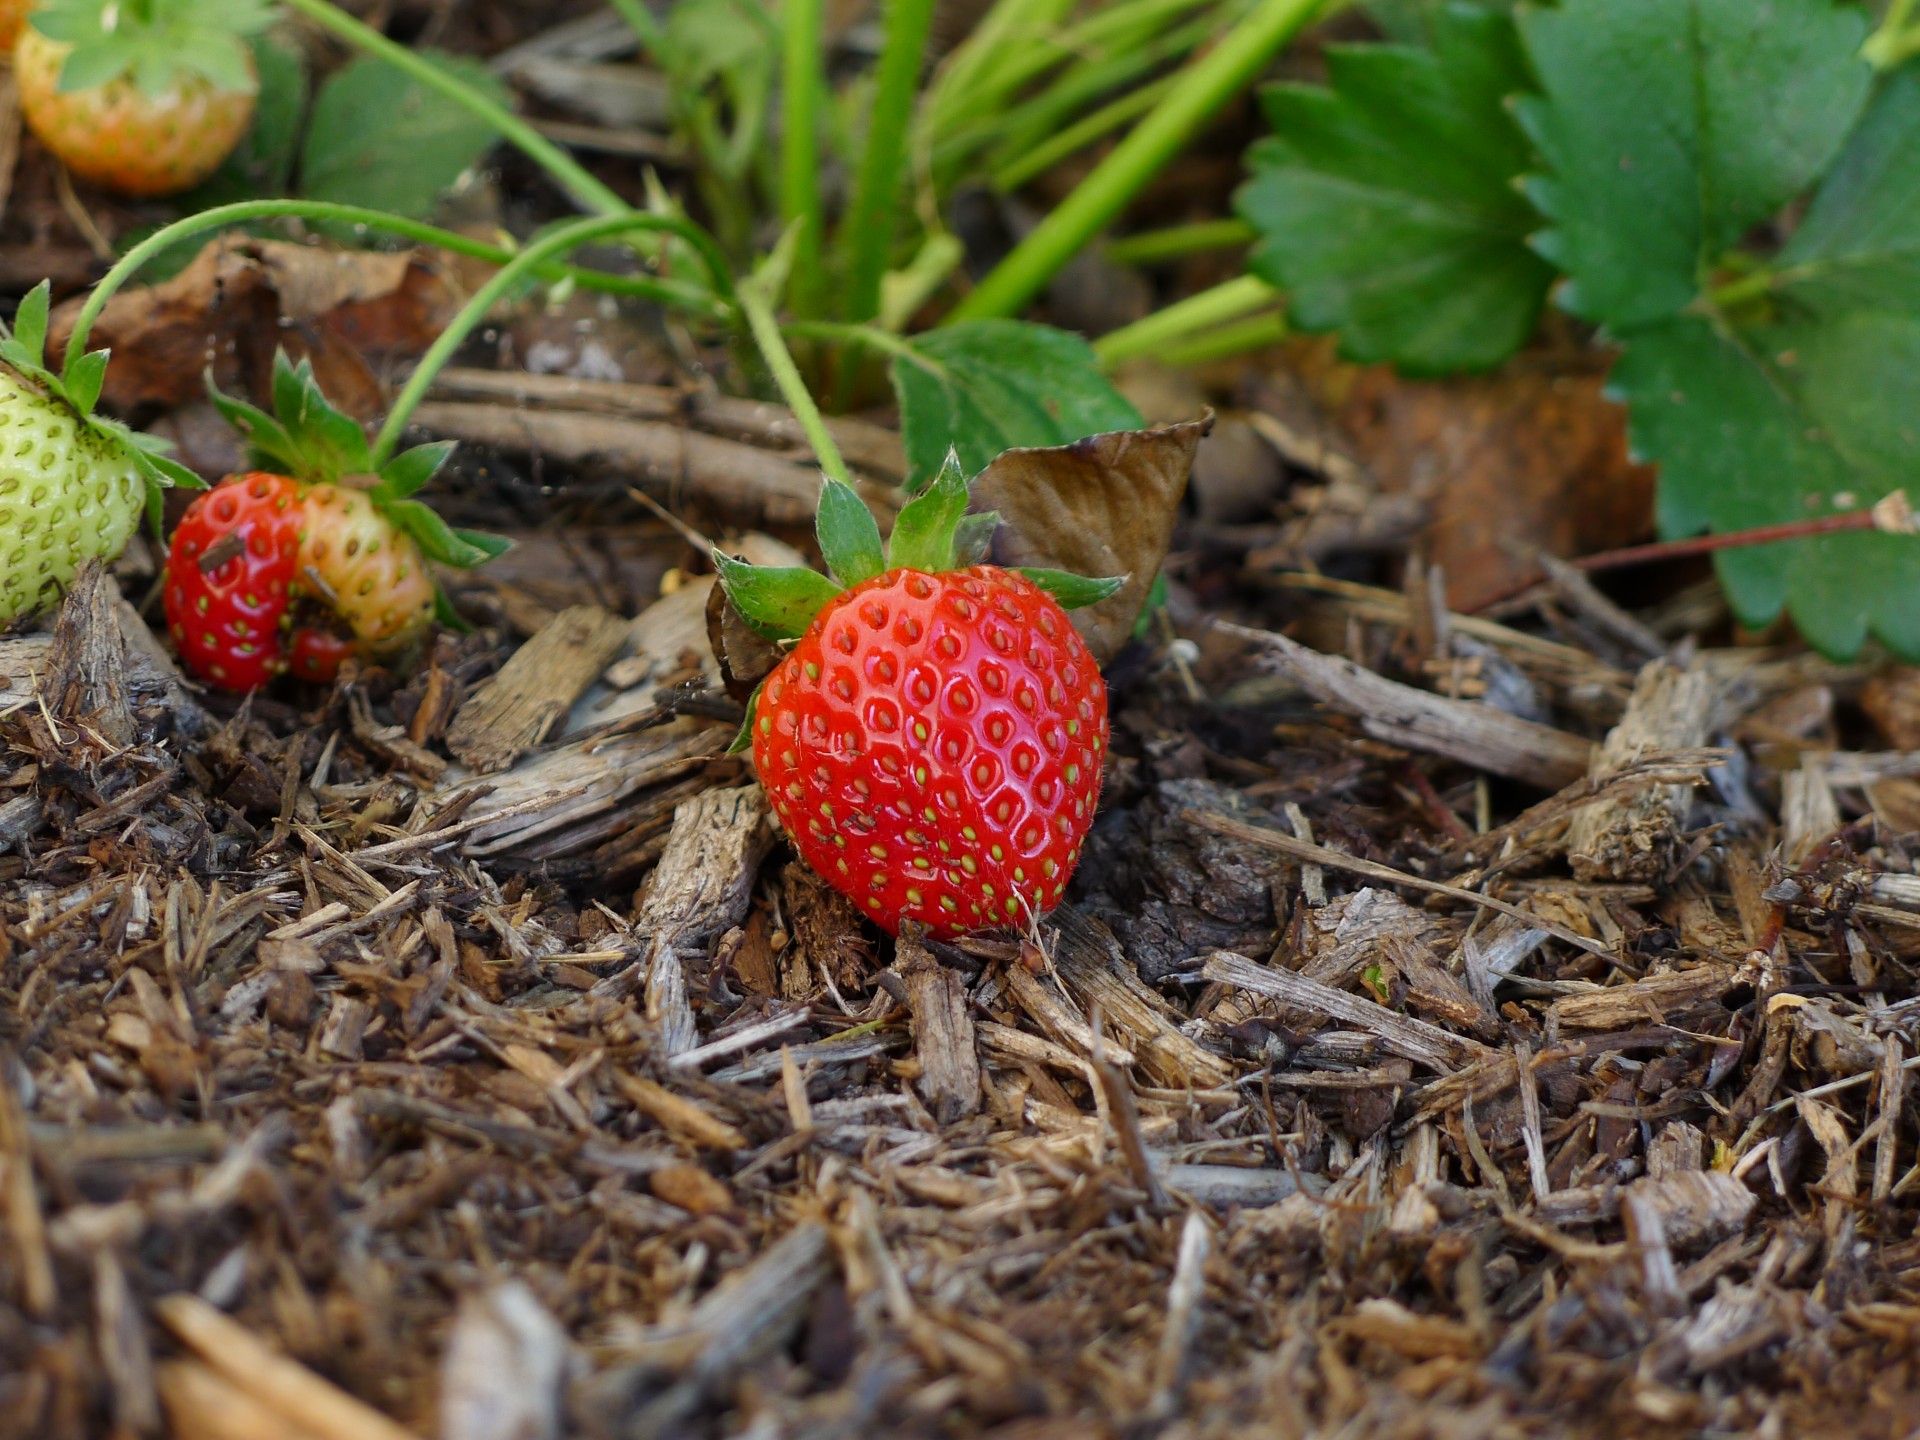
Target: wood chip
517 708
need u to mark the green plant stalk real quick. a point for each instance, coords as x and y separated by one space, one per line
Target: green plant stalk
1230 300
1204 86
589 192
1039 120
1176 242
1100 52
1077 136
528 262
327 211
1892 40
646 29
969 80
1256 332
773 349
869 335
868 231
802 99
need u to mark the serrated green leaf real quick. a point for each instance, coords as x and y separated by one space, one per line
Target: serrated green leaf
403 475
1386 206
983 386
1074 591
1672 127
84 379
849 537
777 601
329 442
380 138
437 539
30 325
1807 409
925 530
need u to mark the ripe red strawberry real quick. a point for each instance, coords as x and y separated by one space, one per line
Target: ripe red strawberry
355 554
71 482
933 742
146 97
229 577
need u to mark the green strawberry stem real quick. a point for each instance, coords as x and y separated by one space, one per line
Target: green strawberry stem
528 262
773 349
1229 300
591 194
801 209
222 216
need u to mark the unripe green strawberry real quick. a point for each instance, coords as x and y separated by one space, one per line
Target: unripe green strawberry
933 741
68 493
71 483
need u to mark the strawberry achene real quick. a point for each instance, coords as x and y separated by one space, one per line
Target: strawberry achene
933 745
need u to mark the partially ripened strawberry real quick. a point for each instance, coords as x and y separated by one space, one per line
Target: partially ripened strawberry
229 578
13 14
358 577
146 97
71 483
934 740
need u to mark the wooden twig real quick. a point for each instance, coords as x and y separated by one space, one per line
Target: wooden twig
517 708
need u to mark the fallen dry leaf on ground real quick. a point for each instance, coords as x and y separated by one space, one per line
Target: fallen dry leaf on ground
1100 506
242 298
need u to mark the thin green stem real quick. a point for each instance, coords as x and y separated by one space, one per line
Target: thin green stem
868 335
868 230
1077 136
646 29
1229 301
803 98
1176 242
786 375
1892 40
589 192
1256 332
222 216
1205 85
527 263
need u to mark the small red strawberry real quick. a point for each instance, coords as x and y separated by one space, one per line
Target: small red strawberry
146 97
360 545
934 740
230 571
316 655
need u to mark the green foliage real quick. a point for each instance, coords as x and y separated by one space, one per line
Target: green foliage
1387 206
983 386
1771 382
378 137
154 44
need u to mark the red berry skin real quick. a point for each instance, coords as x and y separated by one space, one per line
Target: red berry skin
317 655
226 620
933 746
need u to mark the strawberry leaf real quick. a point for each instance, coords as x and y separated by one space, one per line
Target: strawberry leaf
268 443
849 537
351 154
30 327
925 529
778 602
1806 408
983 386
408 471
1075 591
1385 205
1671 128
330 444
462 549
84 379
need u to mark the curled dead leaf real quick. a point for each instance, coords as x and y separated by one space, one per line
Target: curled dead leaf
242 297
1101 506
746 657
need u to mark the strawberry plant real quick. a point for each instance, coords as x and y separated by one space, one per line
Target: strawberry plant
933 740
72 482
147 97
1730 195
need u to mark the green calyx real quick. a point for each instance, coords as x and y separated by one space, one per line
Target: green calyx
24 349
933 532
154 43
307 438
